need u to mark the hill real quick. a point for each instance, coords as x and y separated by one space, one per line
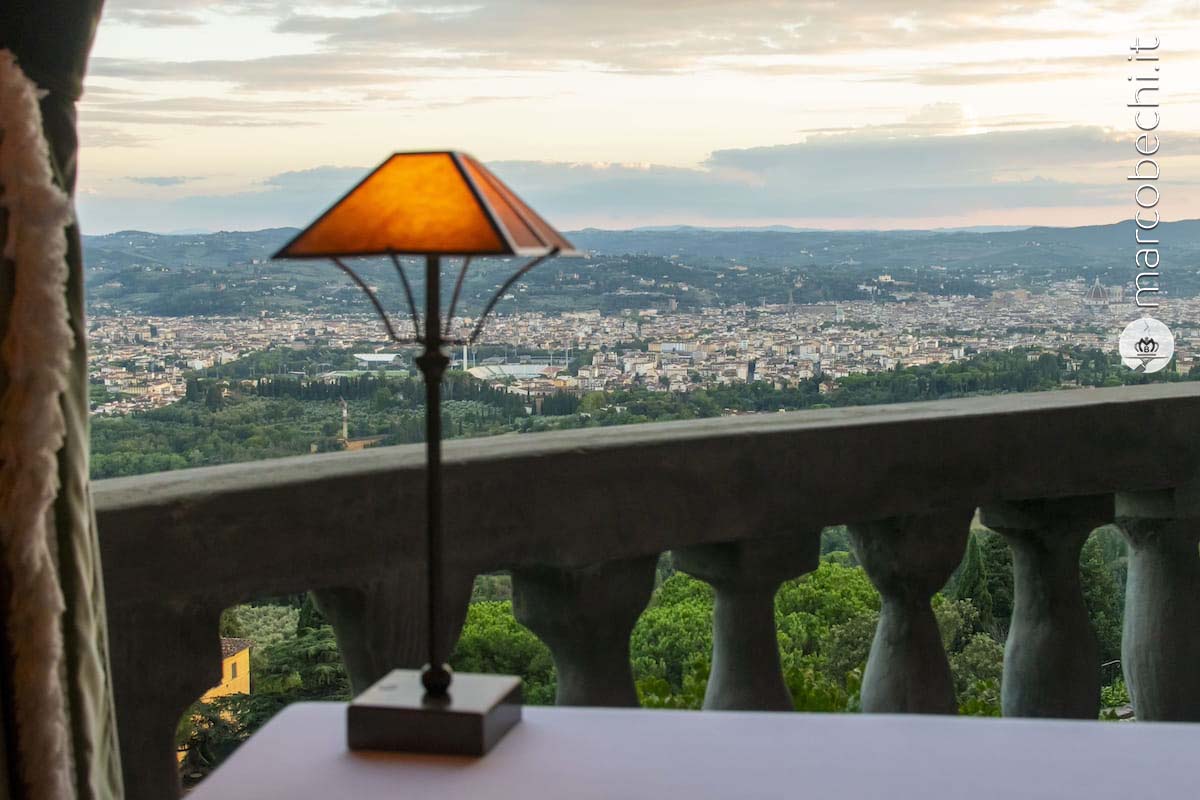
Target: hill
230 272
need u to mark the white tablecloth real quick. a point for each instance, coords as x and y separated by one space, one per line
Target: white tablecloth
583 753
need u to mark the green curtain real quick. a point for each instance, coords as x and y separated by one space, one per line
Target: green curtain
52 40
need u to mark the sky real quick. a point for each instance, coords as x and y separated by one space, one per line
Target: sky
623 113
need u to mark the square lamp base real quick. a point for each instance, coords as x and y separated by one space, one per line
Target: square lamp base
395 715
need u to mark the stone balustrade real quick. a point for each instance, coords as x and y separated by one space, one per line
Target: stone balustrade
1160 646
1051 662
580 517
908 558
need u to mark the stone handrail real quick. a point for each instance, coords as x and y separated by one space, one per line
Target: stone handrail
580 517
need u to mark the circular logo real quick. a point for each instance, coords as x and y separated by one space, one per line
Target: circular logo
1146 345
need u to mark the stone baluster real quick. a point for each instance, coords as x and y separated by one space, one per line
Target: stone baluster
909 558
163 659
380 624
1051 661
585 616
746 575
1160 648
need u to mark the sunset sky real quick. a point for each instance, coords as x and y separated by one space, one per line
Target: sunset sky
875 114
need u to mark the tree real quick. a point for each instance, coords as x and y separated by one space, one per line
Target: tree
310 617
807 608
492 587
1102 596
492 641
834 539
957 620
304 666
214 399
593 402
381 400
206 735
982 659
998 574
671 644
970 583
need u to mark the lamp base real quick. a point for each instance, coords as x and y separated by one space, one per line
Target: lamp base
396 715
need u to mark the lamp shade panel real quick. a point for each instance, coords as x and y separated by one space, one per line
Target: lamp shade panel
412 203
521 232
438 203
542 230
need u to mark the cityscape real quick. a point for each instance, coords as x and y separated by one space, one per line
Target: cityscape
143 362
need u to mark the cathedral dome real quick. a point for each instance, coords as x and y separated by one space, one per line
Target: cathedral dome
1097 293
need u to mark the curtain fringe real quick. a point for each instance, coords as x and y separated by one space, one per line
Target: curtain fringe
35 352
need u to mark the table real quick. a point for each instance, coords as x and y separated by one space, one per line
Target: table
585 753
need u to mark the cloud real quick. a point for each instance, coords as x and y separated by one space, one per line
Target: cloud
369 43
327 182
159 19
847 176
302 72
98 136
164 180
679 35
630 35
289 198
166 13
103 104
855 177
203 120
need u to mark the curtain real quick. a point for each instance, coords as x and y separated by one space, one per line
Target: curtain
51 40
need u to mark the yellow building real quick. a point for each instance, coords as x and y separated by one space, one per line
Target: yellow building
235 669
235 674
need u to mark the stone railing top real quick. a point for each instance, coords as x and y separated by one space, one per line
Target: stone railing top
585 496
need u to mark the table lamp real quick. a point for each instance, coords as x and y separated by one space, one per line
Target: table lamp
431 204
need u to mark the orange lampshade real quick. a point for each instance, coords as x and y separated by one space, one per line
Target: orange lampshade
440 203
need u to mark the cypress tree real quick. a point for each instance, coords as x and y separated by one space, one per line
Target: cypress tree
310 616
970 583
215 399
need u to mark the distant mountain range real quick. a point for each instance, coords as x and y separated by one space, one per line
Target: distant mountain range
1092 243
231 271
794 229
1109 245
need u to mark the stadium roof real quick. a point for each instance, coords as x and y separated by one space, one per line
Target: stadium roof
495 371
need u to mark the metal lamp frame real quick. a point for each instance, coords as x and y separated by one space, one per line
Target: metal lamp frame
432 362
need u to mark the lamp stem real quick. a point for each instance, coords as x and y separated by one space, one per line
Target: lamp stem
432 363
